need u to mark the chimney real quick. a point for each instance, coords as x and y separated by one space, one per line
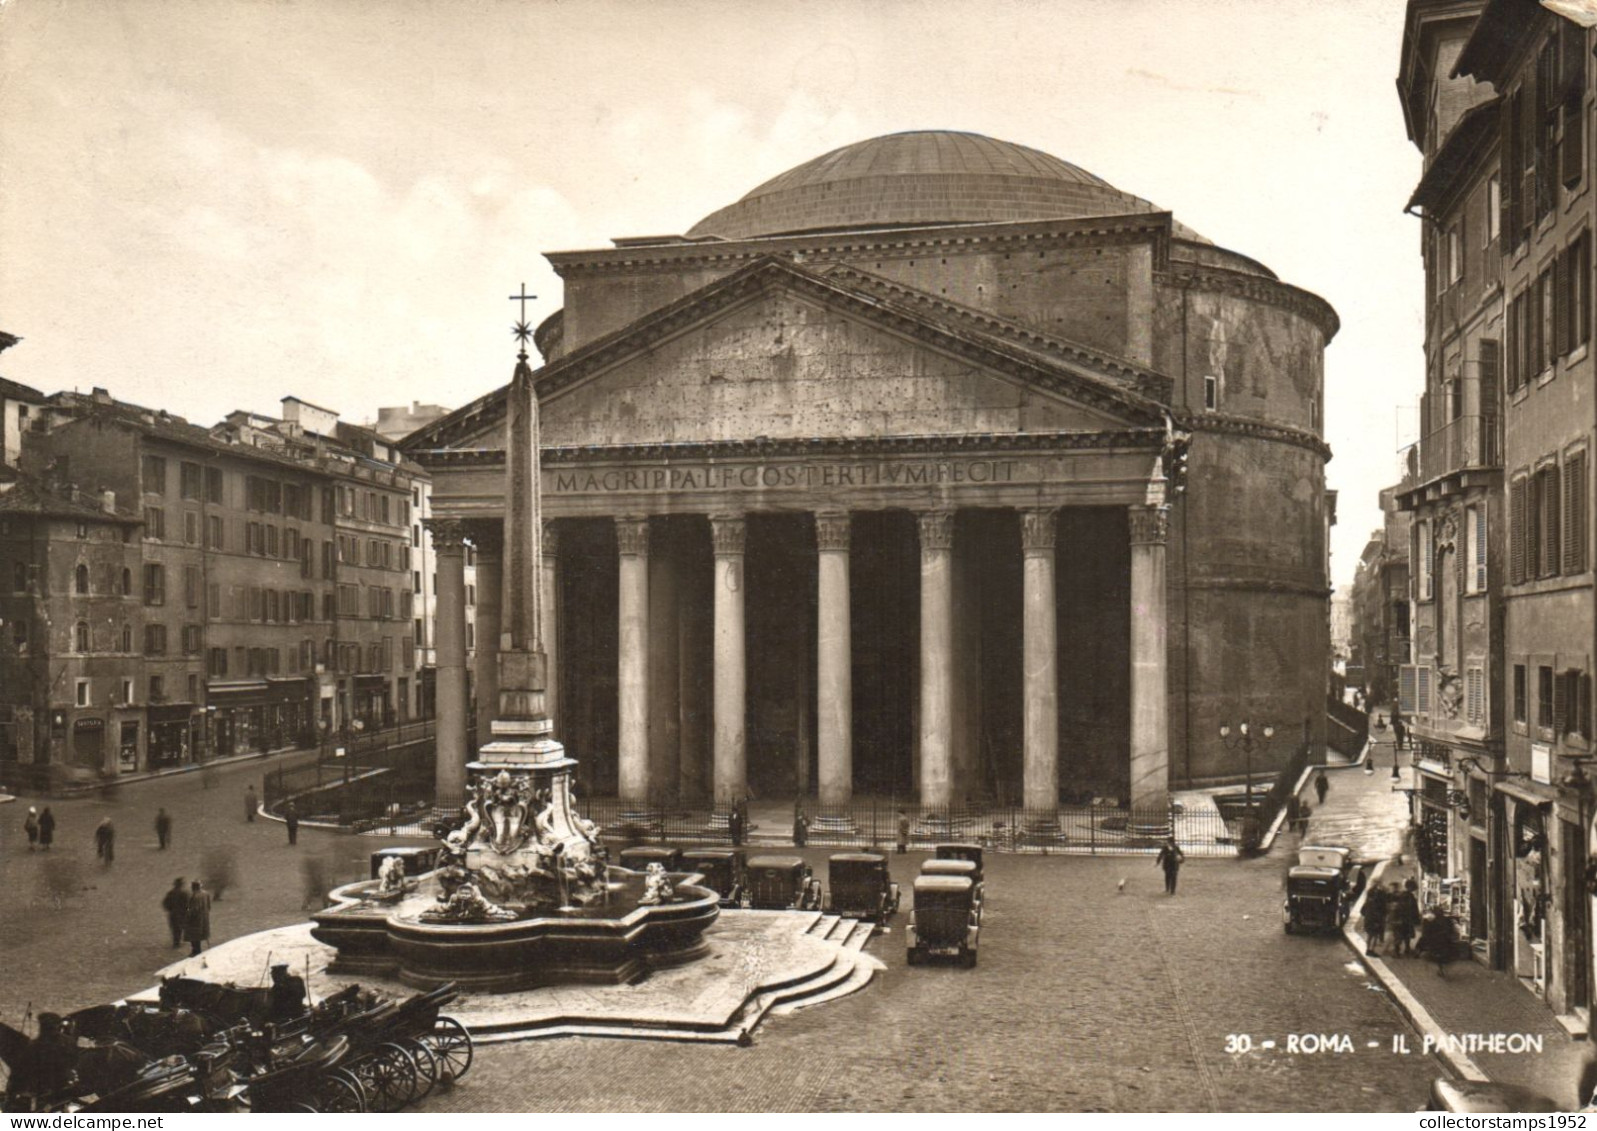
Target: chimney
100 396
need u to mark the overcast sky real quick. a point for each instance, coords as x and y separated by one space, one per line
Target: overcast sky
208 204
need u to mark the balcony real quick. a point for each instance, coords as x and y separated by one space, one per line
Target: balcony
1462 443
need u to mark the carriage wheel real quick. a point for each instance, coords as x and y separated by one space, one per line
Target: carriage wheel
389 1077
426 1065
340 1091
301 1108
451 1045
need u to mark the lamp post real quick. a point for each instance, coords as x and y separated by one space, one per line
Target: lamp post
1245 741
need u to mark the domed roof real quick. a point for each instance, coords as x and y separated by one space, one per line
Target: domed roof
922 178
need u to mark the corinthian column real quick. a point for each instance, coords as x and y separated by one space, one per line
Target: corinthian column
1039 662
936 529
489 540
632 542
1150 696
449 545
834 704
727 534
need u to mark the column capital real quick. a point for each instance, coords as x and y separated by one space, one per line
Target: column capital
632 535
1038 529
449 534
936 529
832 530
727 533
551 538
1149 525
487 536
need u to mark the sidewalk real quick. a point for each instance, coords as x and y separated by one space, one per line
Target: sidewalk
1364 810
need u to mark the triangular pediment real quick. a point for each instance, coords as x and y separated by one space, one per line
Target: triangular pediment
783 353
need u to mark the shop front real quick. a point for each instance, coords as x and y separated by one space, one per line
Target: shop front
171 737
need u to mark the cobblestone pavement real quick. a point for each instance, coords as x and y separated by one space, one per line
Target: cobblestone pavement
76 933
1084 1000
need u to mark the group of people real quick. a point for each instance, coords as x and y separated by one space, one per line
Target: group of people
188 914
1393 913
40 828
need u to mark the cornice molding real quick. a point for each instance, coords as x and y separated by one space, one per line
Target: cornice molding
1142 439
1273 292
1257 429
1259 585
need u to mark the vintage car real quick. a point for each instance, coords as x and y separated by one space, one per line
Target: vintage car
971 852
1317 890
964 868
639 857
944 920
859 885
1487 1097
781 883
722 869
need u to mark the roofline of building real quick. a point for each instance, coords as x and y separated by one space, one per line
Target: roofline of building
1471 139
1496 38
1415 21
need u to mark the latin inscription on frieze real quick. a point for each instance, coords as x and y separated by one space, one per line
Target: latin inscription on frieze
795 476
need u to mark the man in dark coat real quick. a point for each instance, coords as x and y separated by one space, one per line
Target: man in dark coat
176 905
1438 940
105 841
1375 906
1321 786
46 828
250 804
163 828
1170 858
291 821
1399 728
197 918
734 824
1403 914
288 994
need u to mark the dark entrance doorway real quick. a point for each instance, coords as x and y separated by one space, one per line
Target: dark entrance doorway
884 598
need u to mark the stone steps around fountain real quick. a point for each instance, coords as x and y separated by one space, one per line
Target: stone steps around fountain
863 969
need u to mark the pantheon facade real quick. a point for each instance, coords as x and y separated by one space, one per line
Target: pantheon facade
935 468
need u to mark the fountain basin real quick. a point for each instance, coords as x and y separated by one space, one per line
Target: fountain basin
602 943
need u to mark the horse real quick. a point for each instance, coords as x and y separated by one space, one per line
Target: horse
221 1005
47 1072
159 1032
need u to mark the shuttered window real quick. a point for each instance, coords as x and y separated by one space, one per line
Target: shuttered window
1551 505
1422 690
1573 57
1475 696
1407 683
1518 502
1508 194
1516 368
1575 513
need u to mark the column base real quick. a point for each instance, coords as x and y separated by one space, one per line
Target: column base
822 826
1141 833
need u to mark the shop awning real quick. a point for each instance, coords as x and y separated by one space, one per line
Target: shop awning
1530 792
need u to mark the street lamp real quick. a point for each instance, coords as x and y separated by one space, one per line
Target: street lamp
1246 738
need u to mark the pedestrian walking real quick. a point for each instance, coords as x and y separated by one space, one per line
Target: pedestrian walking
197 918
1399 728
1375 906
1170 858
291 822
250 803
734 824
105 841
163 828
31 827
176 905
1439 940
1305 810
801 829
1403 917
46 828
1321 786
903 832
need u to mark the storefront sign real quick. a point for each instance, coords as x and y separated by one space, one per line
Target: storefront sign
1541 763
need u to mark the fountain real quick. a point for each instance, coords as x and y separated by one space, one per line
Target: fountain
522 896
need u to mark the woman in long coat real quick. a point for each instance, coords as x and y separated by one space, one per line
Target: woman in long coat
46 827
197 920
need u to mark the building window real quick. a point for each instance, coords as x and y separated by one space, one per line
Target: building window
19 577
214 532
191 587
191 639
1520 694
155 640
1494 208
80 580
191 528
154 522
80 637
1544 698
1455 254
194 688
1576 712
1518 526
213 485
127 692
1475 696
154 584
157 689
1475 536
1572 312
1547 501
1575 495
127 638
154 469
191 480
1424 561
83 696
216 661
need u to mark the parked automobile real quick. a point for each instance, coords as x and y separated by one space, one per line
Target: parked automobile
860 885
944 919
963 868
722 869
961 851
639 857
781 883
1317 890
